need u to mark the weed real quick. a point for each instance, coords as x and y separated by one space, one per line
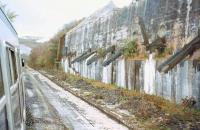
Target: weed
130 49
189 102
163 54
98 96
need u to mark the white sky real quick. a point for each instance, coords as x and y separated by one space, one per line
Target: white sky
44 17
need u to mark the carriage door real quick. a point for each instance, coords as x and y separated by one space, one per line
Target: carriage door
3 113
14 88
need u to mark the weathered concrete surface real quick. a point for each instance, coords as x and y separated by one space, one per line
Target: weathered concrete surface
74 113
176 20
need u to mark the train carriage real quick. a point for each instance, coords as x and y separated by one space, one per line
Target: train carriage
12 98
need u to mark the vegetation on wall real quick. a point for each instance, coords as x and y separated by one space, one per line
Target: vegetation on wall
163 54
130 49
101 52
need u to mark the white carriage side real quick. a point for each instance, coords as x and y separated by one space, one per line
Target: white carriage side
12 105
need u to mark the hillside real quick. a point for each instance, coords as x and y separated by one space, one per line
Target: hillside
30 41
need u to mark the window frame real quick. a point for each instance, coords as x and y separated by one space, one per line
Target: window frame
12 61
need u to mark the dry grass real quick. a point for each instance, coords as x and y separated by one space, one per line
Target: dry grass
154 112
167 106
98 84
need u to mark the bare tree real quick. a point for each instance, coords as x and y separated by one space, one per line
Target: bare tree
11 14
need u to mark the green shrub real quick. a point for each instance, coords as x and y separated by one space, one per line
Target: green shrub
130 49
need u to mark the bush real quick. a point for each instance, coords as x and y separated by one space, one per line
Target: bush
189 102
130 49
43 56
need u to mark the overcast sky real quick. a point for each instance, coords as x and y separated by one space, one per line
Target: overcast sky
44 17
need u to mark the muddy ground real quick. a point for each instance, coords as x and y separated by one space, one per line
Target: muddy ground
135 110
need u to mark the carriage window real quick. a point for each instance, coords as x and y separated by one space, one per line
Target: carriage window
12 65
1 82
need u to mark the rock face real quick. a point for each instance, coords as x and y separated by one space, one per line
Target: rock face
176 20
